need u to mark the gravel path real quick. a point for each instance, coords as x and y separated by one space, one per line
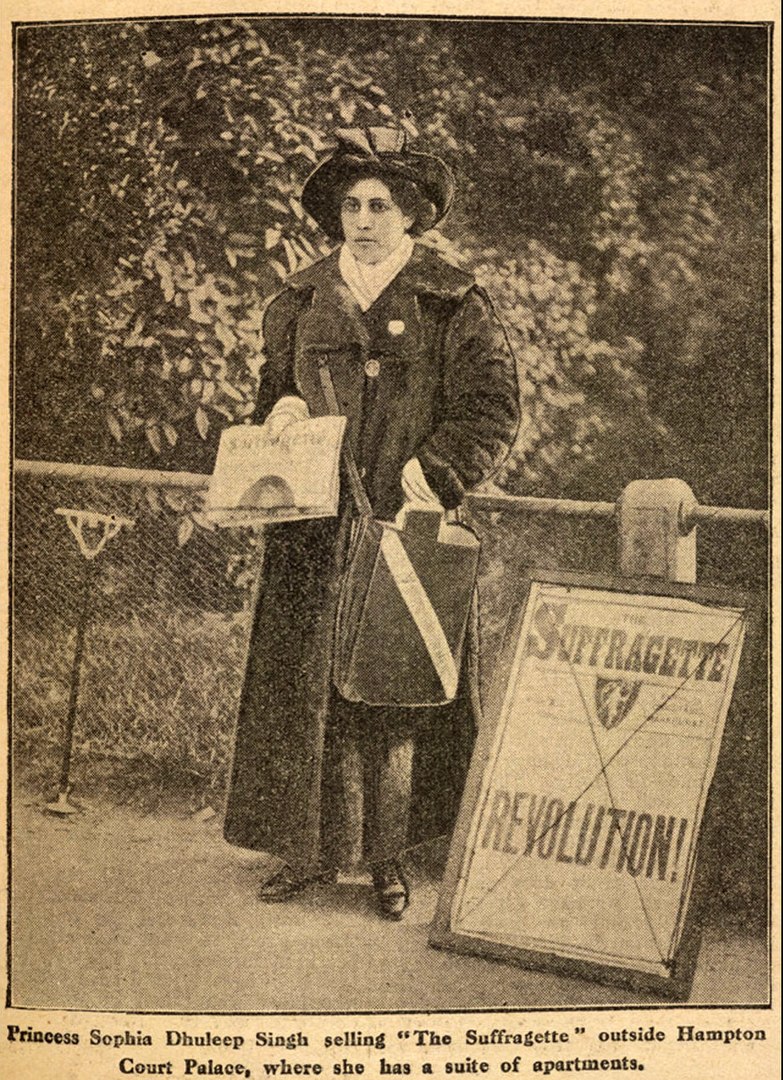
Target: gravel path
116 911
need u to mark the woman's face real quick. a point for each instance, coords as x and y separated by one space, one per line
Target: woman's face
373 224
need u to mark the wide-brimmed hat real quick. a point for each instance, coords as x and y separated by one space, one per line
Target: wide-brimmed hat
374 151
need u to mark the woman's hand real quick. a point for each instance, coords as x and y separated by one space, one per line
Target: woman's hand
418 493
285 412
415 487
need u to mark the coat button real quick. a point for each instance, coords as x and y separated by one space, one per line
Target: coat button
372 368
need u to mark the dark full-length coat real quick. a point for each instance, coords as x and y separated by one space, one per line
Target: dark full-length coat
443 389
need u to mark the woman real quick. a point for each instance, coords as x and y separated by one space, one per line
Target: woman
423 371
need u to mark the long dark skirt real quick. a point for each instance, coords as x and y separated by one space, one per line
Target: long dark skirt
298 743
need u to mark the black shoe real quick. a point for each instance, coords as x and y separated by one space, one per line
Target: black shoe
391 889
287 883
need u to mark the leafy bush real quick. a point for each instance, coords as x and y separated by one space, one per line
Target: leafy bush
159 168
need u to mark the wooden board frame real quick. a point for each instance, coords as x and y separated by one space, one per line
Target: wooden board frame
677 987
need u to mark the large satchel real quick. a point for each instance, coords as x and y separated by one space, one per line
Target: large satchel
404 603
403 610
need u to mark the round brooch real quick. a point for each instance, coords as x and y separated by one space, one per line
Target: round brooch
396 327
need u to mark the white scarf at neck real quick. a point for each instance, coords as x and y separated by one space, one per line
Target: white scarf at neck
367 282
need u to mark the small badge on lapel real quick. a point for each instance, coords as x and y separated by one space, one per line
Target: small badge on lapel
396 327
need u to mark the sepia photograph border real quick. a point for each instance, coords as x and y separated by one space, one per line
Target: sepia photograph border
758 14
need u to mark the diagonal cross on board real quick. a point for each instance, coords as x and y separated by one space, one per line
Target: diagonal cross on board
666 957
92 531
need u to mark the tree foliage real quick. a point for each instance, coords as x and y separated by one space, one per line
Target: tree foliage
158 171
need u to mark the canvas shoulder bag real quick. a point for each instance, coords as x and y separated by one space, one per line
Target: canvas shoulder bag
404 602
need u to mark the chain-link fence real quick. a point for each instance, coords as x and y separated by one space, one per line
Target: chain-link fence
168 604
167 607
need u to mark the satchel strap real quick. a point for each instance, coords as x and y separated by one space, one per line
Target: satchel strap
421 610
358 491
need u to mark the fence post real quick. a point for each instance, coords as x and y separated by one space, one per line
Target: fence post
654 537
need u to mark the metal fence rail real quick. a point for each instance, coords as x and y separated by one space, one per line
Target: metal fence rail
699 515
165 617
158 621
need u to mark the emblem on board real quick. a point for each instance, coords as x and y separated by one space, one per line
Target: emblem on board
614 699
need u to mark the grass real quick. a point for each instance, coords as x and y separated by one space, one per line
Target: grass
157 704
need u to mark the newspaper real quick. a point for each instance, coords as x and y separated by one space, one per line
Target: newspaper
287 474
134 942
